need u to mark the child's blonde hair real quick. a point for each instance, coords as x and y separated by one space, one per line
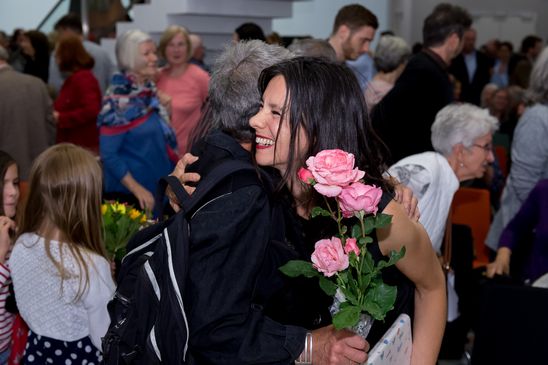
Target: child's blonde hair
65 194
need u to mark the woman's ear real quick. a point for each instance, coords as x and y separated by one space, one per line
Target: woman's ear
458 151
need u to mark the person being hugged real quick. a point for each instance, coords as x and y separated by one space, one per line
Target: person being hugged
62 279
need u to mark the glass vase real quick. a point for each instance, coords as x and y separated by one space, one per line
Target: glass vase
365 322
363 326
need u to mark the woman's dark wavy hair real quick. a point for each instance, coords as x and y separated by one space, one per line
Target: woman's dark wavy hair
325 100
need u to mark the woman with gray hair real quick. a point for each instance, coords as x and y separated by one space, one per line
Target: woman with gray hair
390 58
529 154
136 144
462 137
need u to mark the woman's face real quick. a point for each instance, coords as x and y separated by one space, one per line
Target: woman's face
26 46
146 68
501 100
476 158
273 134
504 54
11 191
177 50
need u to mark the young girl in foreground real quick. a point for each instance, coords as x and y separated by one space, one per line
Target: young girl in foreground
61 277
9 186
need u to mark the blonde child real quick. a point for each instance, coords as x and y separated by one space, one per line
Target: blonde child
61 278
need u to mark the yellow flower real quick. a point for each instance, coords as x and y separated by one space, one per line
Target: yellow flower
134 213
103 209
144 218
117 207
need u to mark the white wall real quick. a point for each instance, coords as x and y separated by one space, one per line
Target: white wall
25 14
509 19
315 18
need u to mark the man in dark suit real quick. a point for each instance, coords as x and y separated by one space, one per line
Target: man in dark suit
404 116
472 68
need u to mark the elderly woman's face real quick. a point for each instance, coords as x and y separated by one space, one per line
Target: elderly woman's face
477 157
146 67
177 50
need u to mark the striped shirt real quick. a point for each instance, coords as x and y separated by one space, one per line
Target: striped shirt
6 318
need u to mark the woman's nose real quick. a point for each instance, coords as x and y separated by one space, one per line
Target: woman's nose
491 156
256 120
11 189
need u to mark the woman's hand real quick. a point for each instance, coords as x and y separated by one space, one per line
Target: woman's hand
404 196
145 198
6 225
165 100
334 347
501 265
184 177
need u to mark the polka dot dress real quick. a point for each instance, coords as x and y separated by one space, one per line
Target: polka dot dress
45 350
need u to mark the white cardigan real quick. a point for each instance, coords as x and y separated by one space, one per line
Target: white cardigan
47 306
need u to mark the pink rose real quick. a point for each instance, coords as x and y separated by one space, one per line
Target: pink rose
328 256
358 197
333 169
305 176
351 245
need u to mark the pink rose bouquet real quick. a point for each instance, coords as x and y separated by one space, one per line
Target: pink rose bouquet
342 263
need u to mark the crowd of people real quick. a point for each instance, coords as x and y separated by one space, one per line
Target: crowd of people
420 122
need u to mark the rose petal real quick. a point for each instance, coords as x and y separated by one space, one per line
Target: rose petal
328 190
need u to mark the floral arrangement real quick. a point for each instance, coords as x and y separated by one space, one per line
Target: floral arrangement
120 222
344 266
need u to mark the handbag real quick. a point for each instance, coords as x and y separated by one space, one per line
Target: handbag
452 297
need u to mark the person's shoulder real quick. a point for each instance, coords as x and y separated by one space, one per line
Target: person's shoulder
25 243
95 49
535 112
198 73
84 74
14 76
27 238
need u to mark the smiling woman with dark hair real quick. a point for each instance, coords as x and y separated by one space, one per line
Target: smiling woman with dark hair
309 105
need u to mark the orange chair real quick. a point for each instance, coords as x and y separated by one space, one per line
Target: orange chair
472 207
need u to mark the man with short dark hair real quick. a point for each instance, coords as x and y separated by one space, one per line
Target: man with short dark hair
404 116
472 68
353 31
103 69
521 64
